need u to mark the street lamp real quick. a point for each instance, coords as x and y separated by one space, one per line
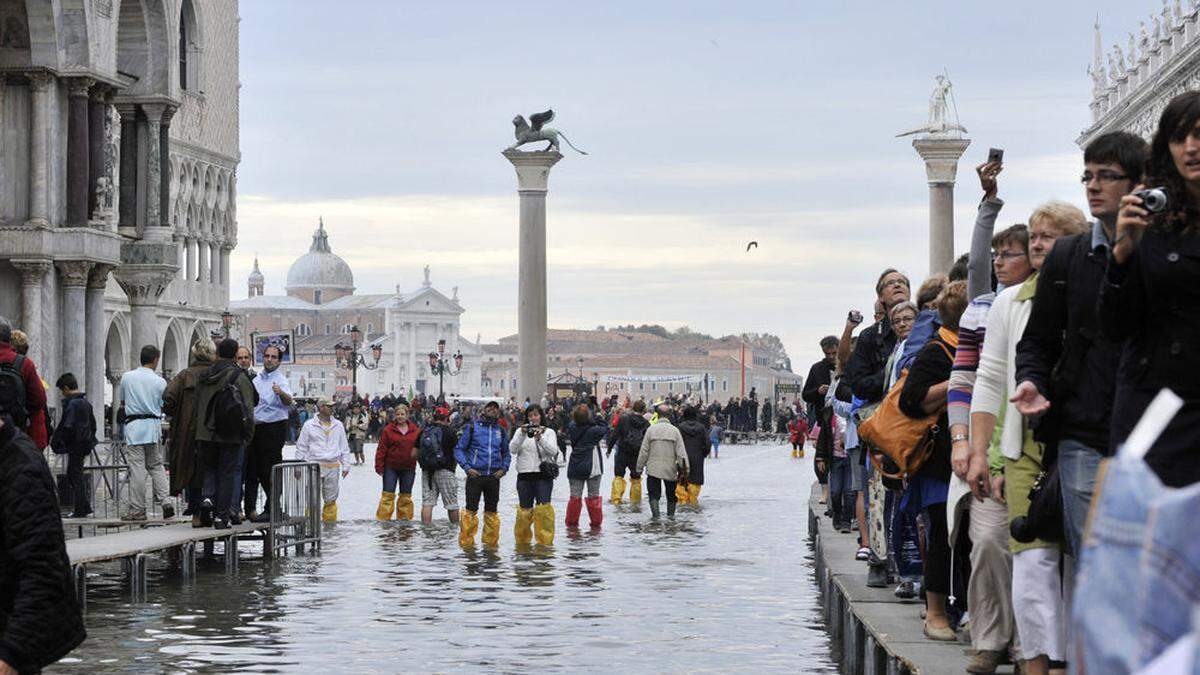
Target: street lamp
226 326
347 357
438 365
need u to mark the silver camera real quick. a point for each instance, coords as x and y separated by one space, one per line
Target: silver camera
1154 199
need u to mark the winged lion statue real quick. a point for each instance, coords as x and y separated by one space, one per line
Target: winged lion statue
535 130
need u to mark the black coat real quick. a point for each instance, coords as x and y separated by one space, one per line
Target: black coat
40 619
76 432
821 373
864 372
1076 374
1153 303
630 430
698 446
585 449
930 368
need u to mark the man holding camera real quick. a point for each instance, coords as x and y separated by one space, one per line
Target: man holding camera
1067 386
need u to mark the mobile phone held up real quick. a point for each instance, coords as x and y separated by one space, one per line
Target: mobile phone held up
996 156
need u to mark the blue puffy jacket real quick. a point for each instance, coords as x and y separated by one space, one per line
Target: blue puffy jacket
483 446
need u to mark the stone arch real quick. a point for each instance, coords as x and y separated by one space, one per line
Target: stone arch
174 350
20 35
190 46
117 356
198 333
41 36
143 48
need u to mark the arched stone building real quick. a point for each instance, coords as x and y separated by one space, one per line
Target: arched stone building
118 159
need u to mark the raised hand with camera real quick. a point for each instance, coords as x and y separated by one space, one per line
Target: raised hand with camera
1137 208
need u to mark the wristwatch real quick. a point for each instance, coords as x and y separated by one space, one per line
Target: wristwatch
959 437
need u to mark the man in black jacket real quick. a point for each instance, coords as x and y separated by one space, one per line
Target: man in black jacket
627 438
1067 385
75 437
40 619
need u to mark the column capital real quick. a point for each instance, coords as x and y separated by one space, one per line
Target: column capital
98 276
74 274
533 168
39 81
127 111
941 158
79 86
168 113
144 284
154 112
32 270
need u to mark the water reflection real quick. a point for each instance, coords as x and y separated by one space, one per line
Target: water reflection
726 587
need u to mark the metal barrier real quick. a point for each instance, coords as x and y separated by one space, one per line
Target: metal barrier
295 507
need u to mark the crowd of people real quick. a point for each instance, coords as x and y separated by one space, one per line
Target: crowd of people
961 434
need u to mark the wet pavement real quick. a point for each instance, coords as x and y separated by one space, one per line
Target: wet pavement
725 587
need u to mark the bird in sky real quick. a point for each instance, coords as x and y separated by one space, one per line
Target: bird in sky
753 244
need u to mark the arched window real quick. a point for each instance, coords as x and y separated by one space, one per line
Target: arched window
303 330
189 47
346 328
317 297
514 384
328 329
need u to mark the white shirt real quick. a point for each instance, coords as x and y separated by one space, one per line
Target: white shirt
270 406
323 444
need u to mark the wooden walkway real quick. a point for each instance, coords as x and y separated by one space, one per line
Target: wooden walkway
148 540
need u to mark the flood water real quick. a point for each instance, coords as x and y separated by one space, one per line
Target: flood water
727 587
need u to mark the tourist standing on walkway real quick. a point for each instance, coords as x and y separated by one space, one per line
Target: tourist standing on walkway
820 375
1149 297
24 403
535 449
179 403
437 472
40 617
628 440
265 448
714 435
396 462
141 390
585 466
356 427
697 445
482 452
75 437
662 458
323 440
224 424
1067 386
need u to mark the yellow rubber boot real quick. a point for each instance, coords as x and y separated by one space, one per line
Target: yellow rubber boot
468 525
693 493
801 452
329 512
635 490
522 530
491 529
384 512
404 506
681 493
543 524
618 489
795 454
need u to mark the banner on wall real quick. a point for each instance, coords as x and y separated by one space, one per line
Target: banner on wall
654 378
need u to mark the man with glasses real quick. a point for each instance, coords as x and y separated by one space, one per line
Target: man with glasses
270 431
1067 385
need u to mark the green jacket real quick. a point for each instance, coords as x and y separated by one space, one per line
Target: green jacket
211 381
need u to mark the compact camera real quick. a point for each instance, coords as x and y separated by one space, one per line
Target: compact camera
1153 199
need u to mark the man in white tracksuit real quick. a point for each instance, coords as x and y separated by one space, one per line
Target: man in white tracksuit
323 440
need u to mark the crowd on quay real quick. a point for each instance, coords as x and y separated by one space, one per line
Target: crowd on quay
977 410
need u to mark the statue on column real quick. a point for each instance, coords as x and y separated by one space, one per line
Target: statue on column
534 131
426 283
939 105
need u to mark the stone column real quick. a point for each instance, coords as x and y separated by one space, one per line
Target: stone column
189 245
74 311
412 354
33 272
78 150
95 341
154 159
41 88
941 166
144 284
97 133
164 174
202 261
127 212
223 269
533 174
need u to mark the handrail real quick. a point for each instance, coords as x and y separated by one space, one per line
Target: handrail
295 506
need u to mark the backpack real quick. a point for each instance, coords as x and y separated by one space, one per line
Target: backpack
12 392
632 442
429 455
226 412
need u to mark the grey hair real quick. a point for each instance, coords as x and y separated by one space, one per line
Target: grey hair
203 351
5 330
907 304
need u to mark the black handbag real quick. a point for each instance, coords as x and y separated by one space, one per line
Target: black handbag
1045 518
549 470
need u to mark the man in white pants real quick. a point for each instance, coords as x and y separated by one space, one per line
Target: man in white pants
323 440
141 389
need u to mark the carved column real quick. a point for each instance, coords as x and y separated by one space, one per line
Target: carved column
941 167
189 245
153 121
97 134
3 147
164 174
74 274
33 273
95 339
127 212
144 285
202 260
78 152
40 85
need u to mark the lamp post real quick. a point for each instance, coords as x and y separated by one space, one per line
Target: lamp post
347 356
579 386
226 327
438 364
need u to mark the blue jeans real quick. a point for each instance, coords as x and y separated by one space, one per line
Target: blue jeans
531 488
1104 627
220 463
1077 465
840 477
1171 567
402 477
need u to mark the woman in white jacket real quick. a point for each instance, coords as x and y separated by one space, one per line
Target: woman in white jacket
534 446
1038 603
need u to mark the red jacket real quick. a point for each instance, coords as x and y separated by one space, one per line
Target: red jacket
35 395
799 428
397 450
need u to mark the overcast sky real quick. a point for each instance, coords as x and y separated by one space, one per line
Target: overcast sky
710 124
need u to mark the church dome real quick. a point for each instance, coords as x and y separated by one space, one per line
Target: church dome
320 269
256 275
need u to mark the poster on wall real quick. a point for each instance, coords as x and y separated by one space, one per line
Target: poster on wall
283 339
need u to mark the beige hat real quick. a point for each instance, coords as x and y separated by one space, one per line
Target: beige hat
324 401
